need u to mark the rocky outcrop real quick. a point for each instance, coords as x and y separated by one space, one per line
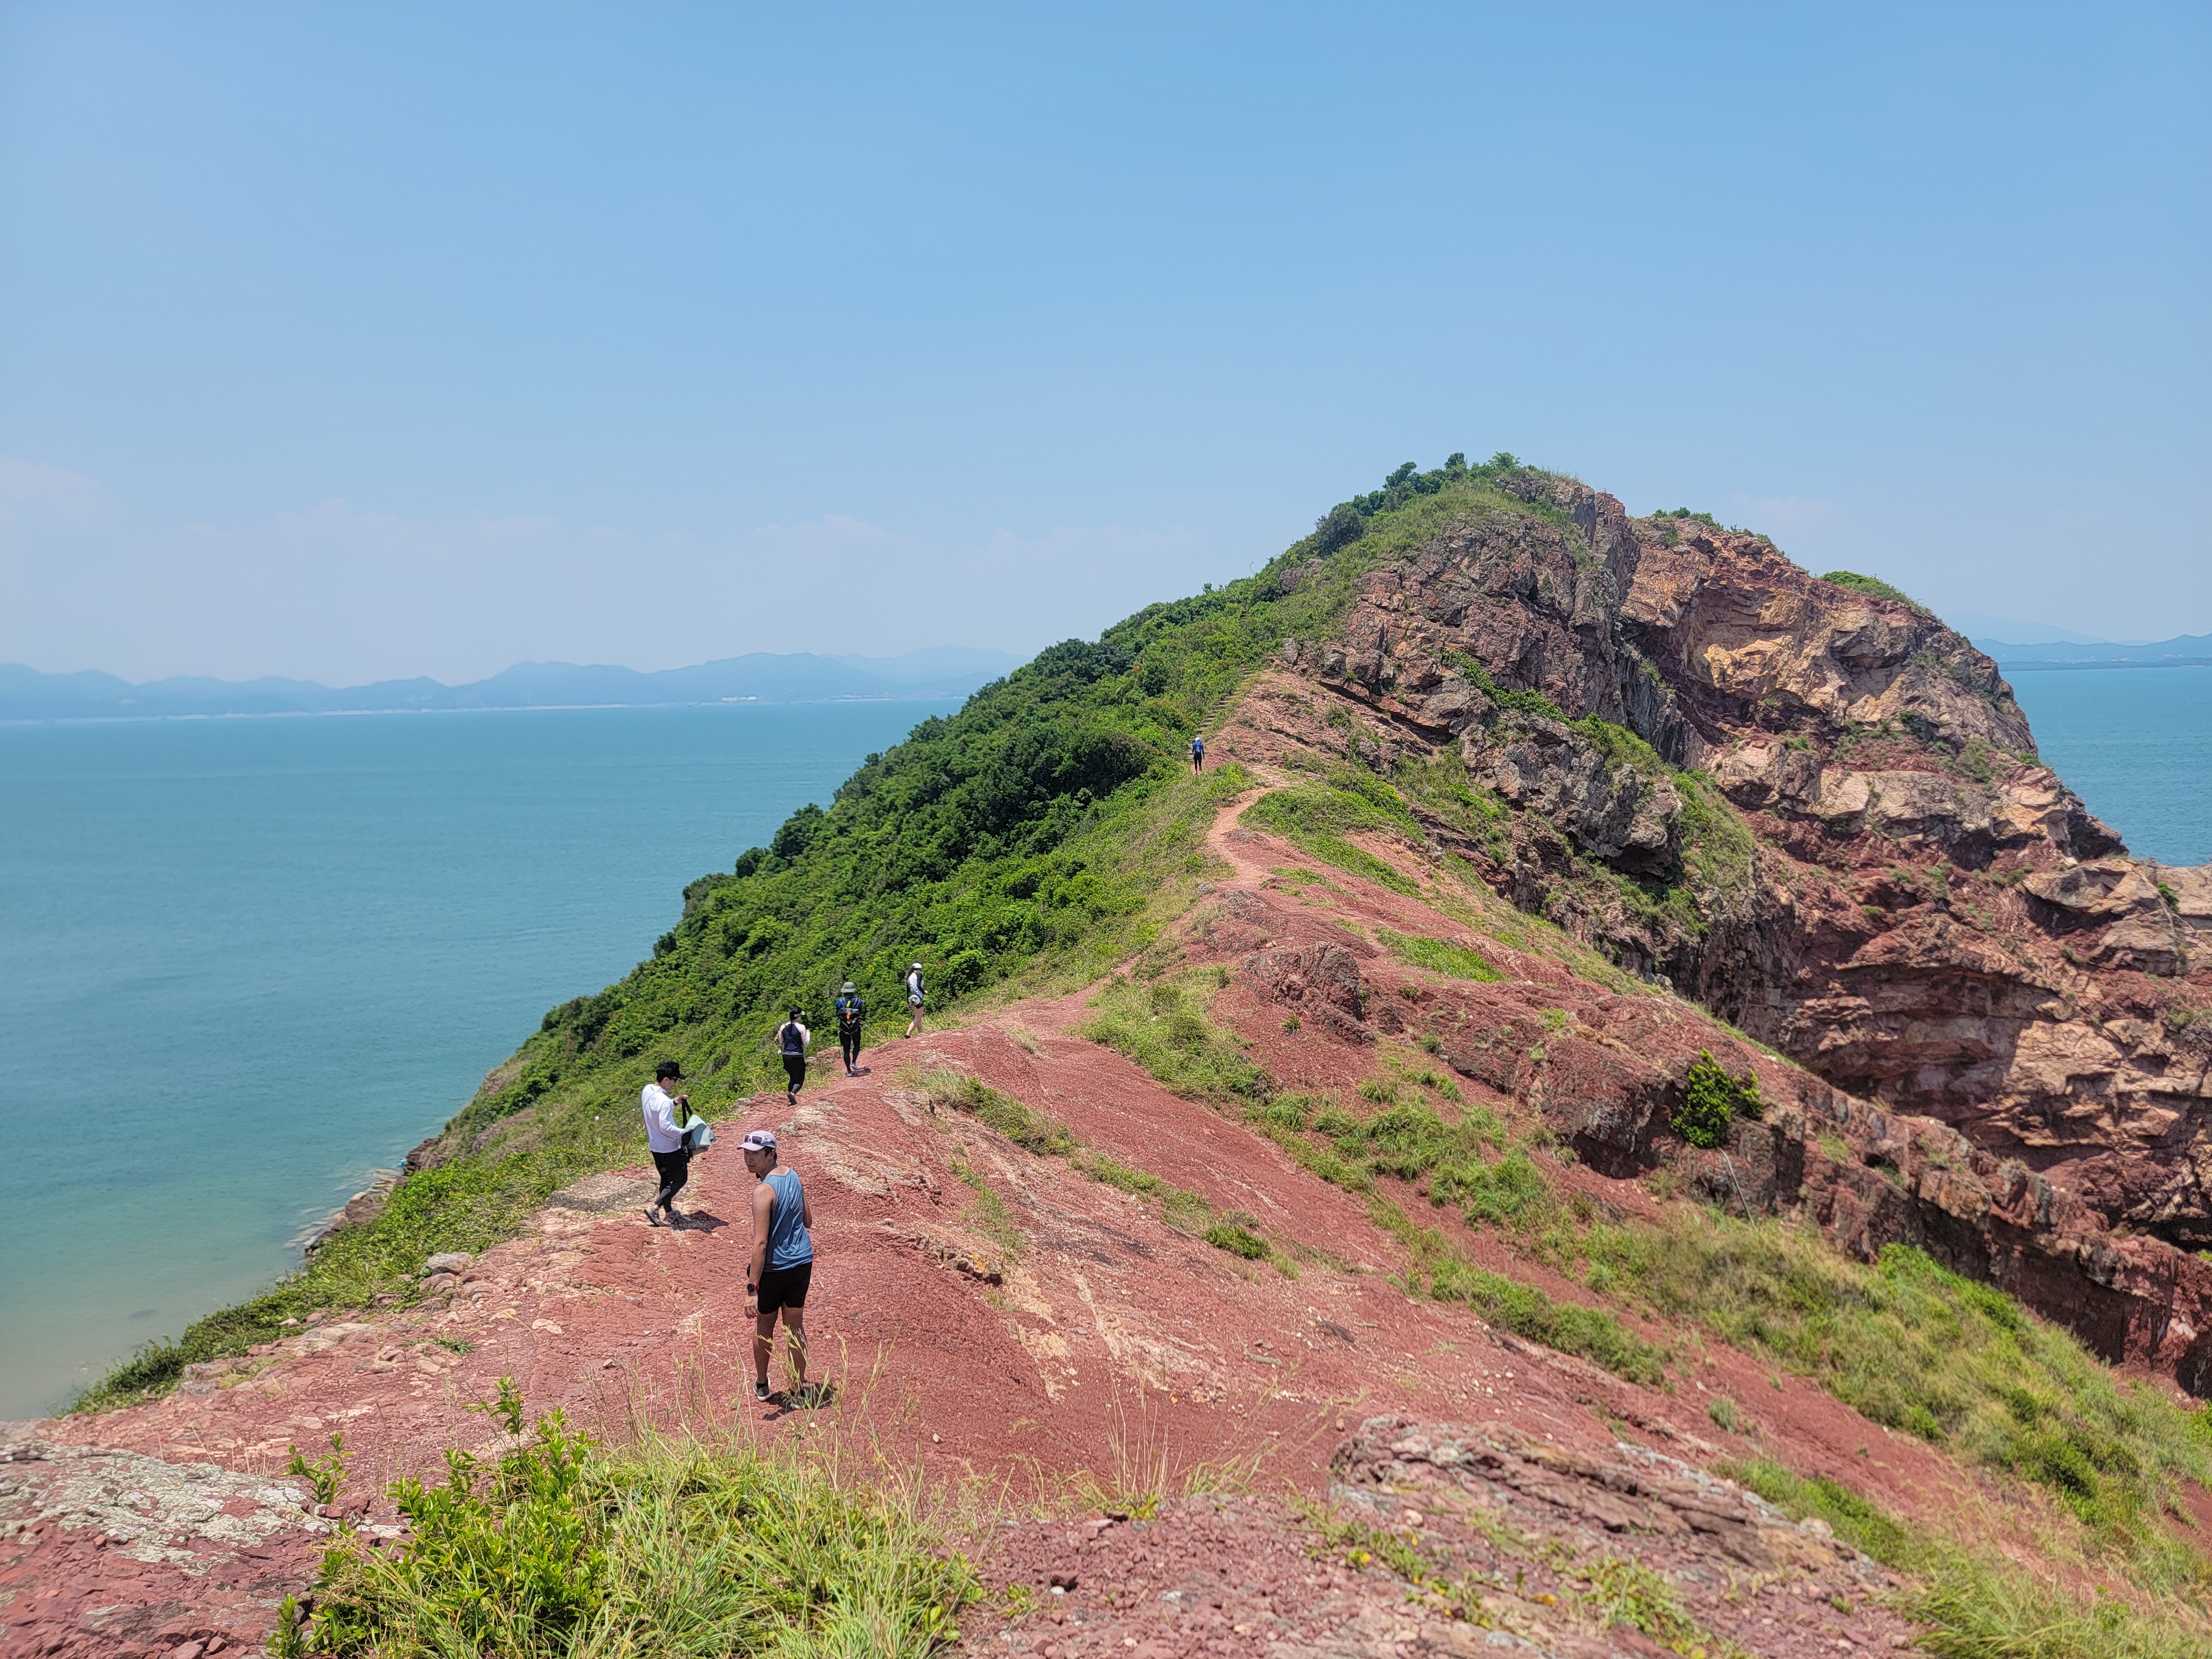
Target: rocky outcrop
1819 812
109 1551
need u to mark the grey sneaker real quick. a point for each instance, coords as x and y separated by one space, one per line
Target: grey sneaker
760 1390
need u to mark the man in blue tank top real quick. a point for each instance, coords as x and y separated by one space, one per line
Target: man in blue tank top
782 1260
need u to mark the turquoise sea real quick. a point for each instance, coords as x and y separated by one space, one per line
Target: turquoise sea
2136 743
247 961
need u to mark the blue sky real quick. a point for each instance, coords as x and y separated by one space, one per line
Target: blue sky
368 341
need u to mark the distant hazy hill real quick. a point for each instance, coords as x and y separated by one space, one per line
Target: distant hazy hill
949 670
2184 648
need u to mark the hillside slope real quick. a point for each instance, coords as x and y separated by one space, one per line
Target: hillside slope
1320 1258
1524 801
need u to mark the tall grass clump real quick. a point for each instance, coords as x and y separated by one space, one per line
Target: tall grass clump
1917 1348
1976 1608
1315 818
1453 961
1029 1130
676 1546
1165 1028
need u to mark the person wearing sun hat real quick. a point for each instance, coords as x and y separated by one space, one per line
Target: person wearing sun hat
850 1011
913 998
782 1263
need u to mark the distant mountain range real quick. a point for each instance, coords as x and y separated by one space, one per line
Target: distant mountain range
939 670
2184 649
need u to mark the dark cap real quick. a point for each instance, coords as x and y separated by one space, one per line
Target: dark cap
667 1068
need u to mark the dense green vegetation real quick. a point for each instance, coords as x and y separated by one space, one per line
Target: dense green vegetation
668 1547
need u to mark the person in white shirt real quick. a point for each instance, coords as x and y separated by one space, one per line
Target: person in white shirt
913 998
663 1134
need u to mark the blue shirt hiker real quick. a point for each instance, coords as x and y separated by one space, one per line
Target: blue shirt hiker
782 1264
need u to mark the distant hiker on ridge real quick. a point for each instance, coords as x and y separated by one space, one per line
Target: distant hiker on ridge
793 1039
782 1263
664 1135
1197 755
850 1011
913 998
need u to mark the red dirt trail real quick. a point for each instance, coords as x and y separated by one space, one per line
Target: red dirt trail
1109 1342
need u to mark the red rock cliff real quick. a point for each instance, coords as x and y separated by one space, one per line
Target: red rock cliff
1840 837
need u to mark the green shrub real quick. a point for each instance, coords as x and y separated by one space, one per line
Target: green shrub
678 1547
1501 1193
1225 1236
1709 1098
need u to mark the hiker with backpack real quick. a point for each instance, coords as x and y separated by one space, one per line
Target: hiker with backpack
792 1039
1197 755
850 1011
913 998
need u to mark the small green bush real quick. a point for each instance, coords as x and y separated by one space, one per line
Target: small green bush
1711 1097
678 1547
1226 1236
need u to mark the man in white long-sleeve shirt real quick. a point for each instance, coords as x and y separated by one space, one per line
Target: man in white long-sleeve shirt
664 1133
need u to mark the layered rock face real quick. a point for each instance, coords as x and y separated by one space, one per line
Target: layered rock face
1819 812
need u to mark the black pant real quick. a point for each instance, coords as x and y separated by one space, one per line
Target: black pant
794 1067
848 1041
675 1170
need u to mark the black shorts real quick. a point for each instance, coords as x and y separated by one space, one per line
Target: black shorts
795 1068
785 1287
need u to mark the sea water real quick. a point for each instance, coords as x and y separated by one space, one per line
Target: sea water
246 962
2136 743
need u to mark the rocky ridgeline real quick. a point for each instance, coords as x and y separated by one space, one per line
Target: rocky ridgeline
1890 888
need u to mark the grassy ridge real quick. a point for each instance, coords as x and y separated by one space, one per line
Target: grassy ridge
1036 837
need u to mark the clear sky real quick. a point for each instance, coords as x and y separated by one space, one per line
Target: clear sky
348 342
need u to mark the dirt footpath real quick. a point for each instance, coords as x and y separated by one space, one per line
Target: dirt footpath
990 1316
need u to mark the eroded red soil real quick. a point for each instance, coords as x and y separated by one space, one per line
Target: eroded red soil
1101 1342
